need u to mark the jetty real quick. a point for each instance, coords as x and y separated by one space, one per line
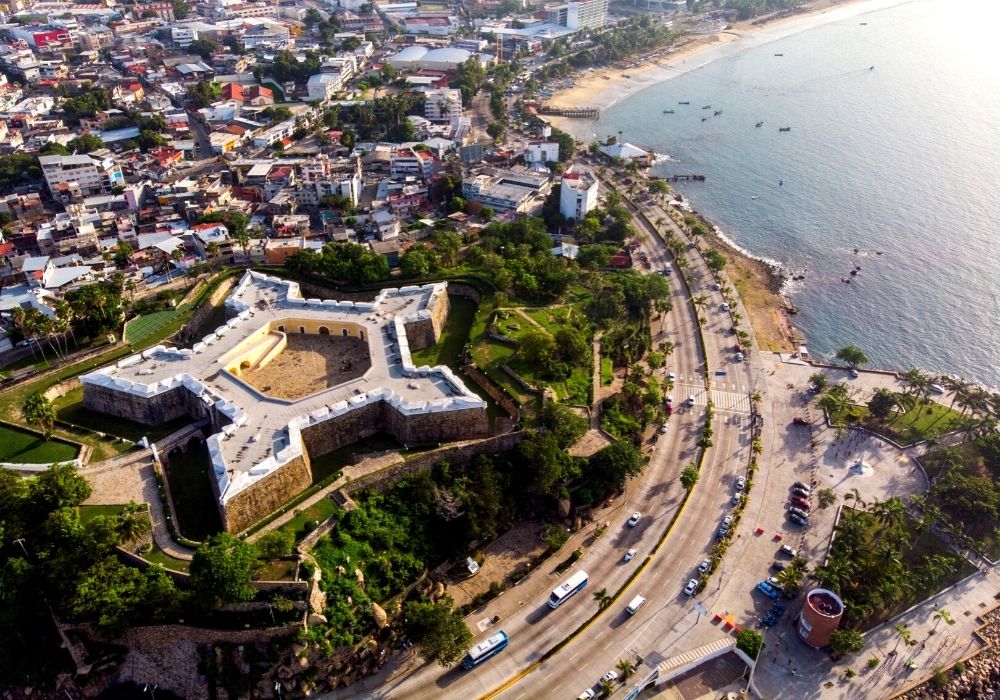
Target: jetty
572 112
679 178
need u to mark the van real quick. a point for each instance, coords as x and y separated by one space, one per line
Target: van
634 606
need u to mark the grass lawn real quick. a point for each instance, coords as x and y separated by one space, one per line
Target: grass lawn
307 520
454 336
158 556
188 474
21 446
88 513
607 371
925 421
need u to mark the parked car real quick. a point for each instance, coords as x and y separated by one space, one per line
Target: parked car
704 566
739 357
767 589
741 483
854 373
725 306
690 400
802 493
798 420
663 428
691 587
736 498
778 566
610 676
717 287
668 409
799 512
800 485
798 519
802 503
671 376
789 550
634 520
630 555
586 695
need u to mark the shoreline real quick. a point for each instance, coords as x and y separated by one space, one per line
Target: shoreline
604 87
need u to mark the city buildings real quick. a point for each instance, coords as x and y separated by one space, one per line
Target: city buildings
577 193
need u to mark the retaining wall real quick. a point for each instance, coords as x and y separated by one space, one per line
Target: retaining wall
267 494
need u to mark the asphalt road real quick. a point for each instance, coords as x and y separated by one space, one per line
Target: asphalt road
658 628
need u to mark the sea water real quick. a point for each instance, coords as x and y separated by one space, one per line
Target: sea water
894 148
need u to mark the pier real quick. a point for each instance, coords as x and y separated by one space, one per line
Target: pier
572 113
679 178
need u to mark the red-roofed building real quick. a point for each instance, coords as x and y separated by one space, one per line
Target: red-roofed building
232 91
259 96
166 156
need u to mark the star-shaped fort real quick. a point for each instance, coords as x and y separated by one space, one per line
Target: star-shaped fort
271 406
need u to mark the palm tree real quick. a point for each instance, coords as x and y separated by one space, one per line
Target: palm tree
603 598
890 512
904 633
132 522
855 495
626 667
607 687
213 253
943 614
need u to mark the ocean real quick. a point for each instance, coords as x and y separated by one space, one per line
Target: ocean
891 168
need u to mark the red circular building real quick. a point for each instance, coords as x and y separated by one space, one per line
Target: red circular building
820 616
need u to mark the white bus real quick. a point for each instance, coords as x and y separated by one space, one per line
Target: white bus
485 650
564 590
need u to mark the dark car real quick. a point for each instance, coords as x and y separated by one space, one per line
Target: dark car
798 512
798 420
798 519
800 485
802 493
778 566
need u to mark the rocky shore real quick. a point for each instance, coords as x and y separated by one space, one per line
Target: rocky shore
979 677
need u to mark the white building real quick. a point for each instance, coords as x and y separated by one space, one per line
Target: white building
542 152
278 132
442 105
90 175
323 86
578 193
417 57
505 190
580 14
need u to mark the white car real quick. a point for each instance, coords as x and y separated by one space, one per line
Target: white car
586 695
610 676
634 520
739 357
671 376
690 401
725 306
741 483
663 429
717 286
704 566
668 399
630 555
789 550
691 587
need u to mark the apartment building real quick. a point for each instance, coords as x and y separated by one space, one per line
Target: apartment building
84 173
578 193
442 105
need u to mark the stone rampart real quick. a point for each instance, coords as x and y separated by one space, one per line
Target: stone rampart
342 430
267 494
436 426
148 410
455 454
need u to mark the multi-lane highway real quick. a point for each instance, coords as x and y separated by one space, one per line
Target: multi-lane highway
661 626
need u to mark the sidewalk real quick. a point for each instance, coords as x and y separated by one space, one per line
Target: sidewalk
788 668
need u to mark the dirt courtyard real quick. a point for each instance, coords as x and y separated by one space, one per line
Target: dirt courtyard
311 363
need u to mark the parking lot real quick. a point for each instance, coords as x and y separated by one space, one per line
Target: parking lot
817 456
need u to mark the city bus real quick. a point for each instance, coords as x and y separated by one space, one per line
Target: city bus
564 590
486 649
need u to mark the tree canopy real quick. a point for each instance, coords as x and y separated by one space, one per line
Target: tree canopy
438 630
348 262
222 570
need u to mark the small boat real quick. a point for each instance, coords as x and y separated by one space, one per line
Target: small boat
717 113
668 111
854 272
871 68
863 24
704 119
779 54
707 107
759 124
754 197
683 103
784 128
781 183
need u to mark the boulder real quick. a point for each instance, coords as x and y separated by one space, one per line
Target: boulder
316 619
360 577
564 507
381 619
438 591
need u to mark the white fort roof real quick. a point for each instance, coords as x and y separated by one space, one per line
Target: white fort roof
264 433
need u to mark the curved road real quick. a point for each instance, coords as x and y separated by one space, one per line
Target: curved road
668 614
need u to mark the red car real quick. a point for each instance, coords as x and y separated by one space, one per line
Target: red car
800 421
801 503
668 409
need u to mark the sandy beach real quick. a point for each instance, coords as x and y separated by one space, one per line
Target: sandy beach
604 87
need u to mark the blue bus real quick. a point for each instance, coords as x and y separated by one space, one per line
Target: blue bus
492 646
570 586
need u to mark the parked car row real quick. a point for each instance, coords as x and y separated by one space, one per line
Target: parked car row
798 511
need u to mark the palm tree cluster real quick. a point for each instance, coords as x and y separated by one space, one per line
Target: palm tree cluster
36 326
873 565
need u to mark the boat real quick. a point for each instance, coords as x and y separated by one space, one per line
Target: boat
683 103
668 111
759 124
707 107
704 119
871 68
779 54
784 128
754 197
863 24
717 113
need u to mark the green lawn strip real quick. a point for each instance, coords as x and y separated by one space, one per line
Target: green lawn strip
88 513
158 556
141 327
25 447
277 570
453 337
307 520
607 371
